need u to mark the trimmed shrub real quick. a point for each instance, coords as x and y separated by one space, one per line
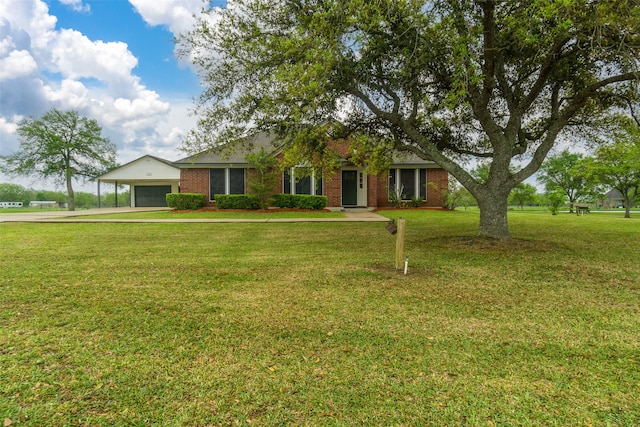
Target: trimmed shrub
186 201
300 201
305 201
283 200
237 201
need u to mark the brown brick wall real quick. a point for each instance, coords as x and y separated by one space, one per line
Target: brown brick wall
440 179
333 189
196 180
381 183
437 176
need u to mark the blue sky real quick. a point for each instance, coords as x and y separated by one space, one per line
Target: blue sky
117 20
111 60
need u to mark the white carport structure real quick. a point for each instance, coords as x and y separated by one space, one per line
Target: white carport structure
149 179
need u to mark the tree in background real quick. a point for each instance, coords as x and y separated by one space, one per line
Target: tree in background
454 195
564 172
85 200
15 193
555 199
617 164
55 196
263 182
61 145
108 200
453 81
523 194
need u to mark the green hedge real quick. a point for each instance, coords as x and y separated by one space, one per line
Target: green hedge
186 201
237 201
300 201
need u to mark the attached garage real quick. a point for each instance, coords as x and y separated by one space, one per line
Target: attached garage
151 195
149 178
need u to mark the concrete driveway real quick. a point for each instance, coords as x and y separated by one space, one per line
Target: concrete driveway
351 215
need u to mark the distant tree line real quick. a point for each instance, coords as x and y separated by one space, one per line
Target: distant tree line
18 193
615 165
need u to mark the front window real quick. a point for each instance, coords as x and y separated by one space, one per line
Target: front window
236 181
226 181
412 182
302 180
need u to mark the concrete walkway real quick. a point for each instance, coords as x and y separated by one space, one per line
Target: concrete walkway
85 216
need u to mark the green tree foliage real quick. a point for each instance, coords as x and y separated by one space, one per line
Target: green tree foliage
15 193
446 80
523 194
565 172
454 195
62 145
108 200
555 199
481 172
617 165
262 182
55 196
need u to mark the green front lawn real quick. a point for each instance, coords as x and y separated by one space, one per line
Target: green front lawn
219 214
28 209
309 324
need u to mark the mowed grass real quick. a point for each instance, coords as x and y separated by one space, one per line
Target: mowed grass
309 324
218 214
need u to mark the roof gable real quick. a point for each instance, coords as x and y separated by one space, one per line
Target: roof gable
146 167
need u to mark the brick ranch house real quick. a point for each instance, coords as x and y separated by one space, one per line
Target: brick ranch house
349 186
150 178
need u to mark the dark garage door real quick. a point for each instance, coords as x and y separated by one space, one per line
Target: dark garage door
151 195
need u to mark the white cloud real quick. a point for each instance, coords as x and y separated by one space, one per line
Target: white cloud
42 67
69 95
174 137
75 56
77 5
8 126
177 16
17 64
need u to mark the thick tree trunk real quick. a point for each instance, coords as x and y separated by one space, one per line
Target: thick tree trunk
627 207
70 194
493 217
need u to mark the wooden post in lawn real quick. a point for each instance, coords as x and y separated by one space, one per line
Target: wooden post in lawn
400 244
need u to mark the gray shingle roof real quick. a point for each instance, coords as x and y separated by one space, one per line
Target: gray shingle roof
236 156
230 157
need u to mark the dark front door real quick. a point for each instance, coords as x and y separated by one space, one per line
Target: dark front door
152 195
349 188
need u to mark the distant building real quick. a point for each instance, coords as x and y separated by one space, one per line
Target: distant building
10 205
43 204
613 199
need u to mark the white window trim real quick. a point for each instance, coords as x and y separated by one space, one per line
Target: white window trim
292 179
416 181
227 181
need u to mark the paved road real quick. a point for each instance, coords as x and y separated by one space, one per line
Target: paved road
351 215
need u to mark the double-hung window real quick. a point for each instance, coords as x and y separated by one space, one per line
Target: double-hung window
412 182
302 180
226 181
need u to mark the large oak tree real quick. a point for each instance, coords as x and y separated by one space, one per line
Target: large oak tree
61 145
449 80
